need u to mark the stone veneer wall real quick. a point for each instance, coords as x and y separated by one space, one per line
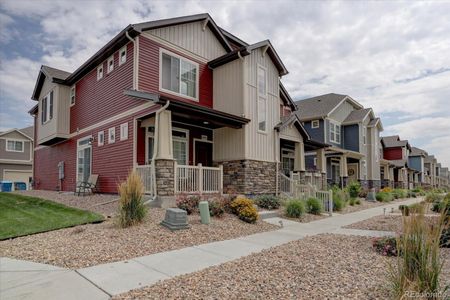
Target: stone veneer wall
374 184
165 184
249 177
386 183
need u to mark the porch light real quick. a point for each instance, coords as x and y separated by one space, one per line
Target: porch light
91 140
205 122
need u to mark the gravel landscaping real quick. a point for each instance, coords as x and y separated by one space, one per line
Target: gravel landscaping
384 223
366 205
317 267
93 203
93 244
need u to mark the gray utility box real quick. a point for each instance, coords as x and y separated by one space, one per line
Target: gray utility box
175 219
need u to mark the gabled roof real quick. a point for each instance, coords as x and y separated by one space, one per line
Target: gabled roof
399 163
430 159
417 152
27 132
357 115
321 106
54 75
394 141
293 119
376 122
286 98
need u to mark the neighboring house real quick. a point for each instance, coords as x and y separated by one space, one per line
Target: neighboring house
416 161
163 97
397 152
445 176
430 167
353 133
16 155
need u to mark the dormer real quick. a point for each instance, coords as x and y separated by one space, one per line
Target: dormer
52 112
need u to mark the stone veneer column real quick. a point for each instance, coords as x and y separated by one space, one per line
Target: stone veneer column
165 184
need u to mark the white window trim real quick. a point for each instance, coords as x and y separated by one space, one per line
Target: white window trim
197 89
15 141
124 131
315 161
334 126
108 70
100 133
73 88
110 130
147 136
47 103
102 72
317 122
123 49
259 95
185 140
82 147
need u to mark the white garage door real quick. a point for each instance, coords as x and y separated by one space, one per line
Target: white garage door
20 176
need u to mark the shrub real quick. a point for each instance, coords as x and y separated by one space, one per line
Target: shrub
339 194
357 201
295 208
354 188
383 197
244 209
131 207
433 197
386 246
404 209
399 193
417 208
338 204
216 207
386 190
313 206
268 201
419 266
189 203
352 201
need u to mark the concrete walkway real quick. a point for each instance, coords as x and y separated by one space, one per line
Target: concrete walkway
26 280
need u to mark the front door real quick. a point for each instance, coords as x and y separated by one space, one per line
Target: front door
352 170
203 153
335 173
84 159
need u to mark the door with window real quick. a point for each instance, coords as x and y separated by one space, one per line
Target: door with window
84 159
287 161
352 170
335 173
203 153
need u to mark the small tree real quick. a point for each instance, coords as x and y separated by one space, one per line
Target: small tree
354 188
131 207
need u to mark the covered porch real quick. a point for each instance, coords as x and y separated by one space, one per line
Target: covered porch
344 166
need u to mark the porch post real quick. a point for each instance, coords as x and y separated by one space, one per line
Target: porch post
299 159
322 166
164 135
343 169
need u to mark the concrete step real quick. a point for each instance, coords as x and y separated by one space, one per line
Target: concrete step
265 214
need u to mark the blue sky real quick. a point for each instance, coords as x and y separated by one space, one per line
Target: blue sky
391 56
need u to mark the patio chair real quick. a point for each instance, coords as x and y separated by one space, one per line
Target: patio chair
88 186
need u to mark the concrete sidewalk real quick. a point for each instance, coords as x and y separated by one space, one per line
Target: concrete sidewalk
102 281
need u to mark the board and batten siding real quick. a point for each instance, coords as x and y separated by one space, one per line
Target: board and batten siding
228 88
341 112
193 38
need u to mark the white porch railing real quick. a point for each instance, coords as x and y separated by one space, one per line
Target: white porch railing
198 179
147 176
292 187
310 178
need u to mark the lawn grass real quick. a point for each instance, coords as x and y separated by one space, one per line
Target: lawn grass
22 215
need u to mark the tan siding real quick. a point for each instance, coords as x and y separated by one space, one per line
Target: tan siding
228 144
228 82
63 120
49 128
193 38
342 112
291 133
25 155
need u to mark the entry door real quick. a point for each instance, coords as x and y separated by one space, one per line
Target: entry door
335 173
84 159
203 153
352 172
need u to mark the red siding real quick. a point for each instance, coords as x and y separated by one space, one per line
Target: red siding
102 99
149 73
393 153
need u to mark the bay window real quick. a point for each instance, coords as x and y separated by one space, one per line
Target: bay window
178 75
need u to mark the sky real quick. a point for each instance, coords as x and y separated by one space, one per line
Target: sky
389 55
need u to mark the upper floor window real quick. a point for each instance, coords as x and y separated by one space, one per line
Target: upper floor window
101 138
112 135
123 131
110 64
364 135
178 75
100 72
335 133
14 146
47 108
180 140
122 55
72 95
315 124
262 99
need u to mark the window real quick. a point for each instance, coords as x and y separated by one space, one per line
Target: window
150 138
364 135
101 138
110 64
335 133
287 161
14 146
100 72
315 161
124 131
122 55
315 124
262 99
179 75
112 135
72 95
84 159
47 108
180 146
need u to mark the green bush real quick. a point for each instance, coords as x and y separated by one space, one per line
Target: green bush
352 201
131 207
338 204
295 208
313 206
268 201
433 197
354 188
384 197
339 194
216 207
357 201
399 193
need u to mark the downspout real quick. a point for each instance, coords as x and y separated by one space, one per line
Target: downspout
135 60
155 148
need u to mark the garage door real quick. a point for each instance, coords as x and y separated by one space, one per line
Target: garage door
22 176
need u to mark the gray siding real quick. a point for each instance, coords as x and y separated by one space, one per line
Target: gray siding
315 133
14 167
351 137
415 162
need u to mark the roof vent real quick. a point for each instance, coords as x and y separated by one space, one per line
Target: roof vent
318 100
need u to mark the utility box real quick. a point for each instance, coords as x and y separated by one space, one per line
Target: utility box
175 219
61 170
204 212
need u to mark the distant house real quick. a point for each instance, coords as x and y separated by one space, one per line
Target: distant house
16 155
416 161
353 133
430 163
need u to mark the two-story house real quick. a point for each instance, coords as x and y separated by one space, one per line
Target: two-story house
188 105
416 161
16 155
353 133
430 163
